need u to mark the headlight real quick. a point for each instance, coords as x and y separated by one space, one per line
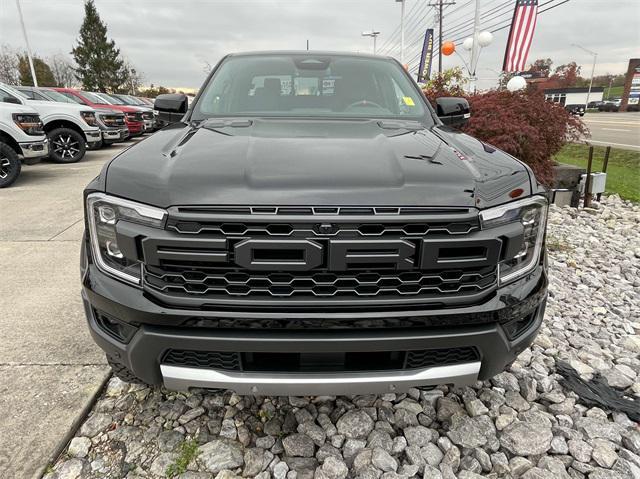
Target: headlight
108 120
132 117
89 118
532 214
29 123
103 214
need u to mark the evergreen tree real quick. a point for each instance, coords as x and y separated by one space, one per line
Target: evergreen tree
44 74
100 66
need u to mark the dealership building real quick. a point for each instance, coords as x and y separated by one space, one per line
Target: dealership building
574 96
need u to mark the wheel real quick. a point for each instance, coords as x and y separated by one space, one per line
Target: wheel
122 372
67 145
10 165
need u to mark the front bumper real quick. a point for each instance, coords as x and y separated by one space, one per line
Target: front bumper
34 150
155 329
135 127
93 136
114 134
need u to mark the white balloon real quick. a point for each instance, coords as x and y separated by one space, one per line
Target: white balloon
468 43
485 39
516 83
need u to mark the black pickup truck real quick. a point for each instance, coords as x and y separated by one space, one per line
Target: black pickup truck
311 225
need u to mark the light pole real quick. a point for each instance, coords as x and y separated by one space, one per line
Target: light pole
401 30
374 34
593 69
26 40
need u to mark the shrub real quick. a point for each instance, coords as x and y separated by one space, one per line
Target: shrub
523 123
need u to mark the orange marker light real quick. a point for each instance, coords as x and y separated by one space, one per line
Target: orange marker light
515 193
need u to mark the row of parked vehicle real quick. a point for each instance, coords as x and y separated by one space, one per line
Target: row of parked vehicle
62 123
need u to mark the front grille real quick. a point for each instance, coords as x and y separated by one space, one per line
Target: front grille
264 254
202 359
440 357
319 362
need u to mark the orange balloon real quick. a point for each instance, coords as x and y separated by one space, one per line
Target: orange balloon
448 48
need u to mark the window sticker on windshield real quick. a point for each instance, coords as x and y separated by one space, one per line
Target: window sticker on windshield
408 101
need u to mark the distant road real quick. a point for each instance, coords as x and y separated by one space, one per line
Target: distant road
620 130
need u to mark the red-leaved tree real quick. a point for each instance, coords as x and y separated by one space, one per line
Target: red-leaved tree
524 125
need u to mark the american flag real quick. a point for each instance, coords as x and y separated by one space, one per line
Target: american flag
520 35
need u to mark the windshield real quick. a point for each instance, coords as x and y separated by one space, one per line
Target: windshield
56 96
112 99
305 85
125 99
93 98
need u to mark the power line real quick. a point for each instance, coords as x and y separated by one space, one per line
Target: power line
390 45
497 26
440 5
495 11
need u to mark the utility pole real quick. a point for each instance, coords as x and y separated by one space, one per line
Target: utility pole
401 30
26 40
440 5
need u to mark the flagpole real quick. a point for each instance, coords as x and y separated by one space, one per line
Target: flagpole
26 40
476 46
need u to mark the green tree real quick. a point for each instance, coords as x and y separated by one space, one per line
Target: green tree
99 63
44 74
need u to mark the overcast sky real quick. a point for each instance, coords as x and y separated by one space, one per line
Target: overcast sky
170 41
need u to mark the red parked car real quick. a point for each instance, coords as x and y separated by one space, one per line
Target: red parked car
132 115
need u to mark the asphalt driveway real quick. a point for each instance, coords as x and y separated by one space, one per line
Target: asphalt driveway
620 130
50 370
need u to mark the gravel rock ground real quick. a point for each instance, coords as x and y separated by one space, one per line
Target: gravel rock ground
522 423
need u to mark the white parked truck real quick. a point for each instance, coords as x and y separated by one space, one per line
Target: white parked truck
69 127
22 140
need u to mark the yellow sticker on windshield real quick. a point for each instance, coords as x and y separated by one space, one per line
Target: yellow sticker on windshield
408 101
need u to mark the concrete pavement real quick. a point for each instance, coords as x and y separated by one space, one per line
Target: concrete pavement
50 370
620 130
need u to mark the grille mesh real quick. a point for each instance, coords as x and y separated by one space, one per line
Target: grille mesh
203 359
322 284
440 357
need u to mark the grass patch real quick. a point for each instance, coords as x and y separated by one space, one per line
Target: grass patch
188 452
616 92
623 172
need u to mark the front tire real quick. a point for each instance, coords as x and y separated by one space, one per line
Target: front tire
10 165
67 145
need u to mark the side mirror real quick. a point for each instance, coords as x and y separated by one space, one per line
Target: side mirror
171 107
11 99
453 111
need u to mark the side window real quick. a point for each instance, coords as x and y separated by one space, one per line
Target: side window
29 94
9 98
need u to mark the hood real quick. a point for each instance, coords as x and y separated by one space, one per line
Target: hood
15 108
313 162
59 107
124 108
